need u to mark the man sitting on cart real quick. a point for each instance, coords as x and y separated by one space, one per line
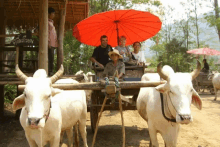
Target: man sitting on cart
114 65
100 54
206 66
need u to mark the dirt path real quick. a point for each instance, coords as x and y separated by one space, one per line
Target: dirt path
203 132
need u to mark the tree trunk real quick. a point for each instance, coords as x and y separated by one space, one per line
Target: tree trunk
2 43
61 36
197 27
43 36
217 16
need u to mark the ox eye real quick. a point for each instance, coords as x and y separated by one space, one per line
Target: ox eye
49 96
171 92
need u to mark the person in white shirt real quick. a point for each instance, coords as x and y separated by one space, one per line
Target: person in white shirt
123 50
138 55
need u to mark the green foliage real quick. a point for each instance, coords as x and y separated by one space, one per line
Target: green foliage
97 6
76 55
173 54
10 93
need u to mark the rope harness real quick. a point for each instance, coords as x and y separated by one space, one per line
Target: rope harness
162 107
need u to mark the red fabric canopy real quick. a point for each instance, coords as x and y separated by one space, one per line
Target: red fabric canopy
134 25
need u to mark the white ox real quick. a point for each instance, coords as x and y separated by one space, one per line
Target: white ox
216 83
46 110
73 109
178 94
87 78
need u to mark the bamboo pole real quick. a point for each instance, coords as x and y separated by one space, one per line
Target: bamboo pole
122 119
98 86
97 123
61 36
43 35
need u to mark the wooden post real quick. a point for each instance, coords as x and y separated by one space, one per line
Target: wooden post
43 35
2 43
2 31
61 36
17 55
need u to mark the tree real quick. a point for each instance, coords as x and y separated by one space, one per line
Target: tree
213 19
173 54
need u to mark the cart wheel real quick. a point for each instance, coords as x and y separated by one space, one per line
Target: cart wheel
93 110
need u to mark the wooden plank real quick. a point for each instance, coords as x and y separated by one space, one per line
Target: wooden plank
98 86
11 82
21 49
43 35
12 35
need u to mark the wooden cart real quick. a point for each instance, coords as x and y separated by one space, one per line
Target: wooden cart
202 82
133 73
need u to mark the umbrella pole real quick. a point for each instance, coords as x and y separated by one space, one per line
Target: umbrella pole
117 32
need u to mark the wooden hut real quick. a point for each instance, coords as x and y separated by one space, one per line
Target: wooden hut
28 14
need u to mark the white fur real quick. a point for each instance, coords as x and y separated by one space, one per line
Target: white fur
149 105
73 109
216 83
35 102
87 78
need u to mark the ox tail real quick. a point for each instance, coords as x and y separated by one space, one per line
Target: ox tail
76 136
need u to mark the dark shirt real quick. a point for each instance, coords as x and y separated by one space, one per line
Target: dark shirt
206 66
101 54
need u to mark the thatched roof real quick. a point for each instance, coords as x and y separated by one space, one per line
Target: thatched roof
25 13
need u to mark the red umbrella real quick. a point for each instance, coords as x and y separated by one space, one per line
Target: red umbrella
134 25
204 51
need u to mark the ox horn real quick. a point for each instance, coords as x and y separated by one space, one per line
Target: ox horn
196 72
57 75
20 74
160 72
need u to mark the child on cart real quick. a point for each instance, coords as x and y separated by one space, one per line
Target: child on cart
114 64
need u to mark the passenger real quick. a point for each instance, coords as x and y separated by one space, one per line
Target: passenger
138 55
52 40
206 66
114 65
100 54
123 50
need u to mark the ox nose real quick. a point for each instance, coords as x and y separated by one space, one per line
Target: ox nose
33 121
185 117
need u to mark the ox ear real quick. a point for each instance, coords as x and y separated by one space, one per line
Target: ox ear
56 91
196 100
161 88
18 102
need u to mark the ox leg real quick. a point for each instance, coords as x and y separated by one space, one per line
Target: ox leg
216 91
153 135
76 135
56 141
69 134
170 136
31 142
82 129
61 137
